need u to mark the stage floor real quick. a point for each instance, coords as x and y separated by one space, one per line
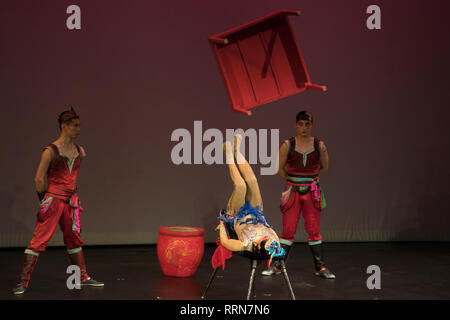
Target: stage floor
409 270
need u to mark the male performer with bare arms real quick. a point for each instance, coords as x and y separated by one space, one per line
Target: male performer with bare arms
59 202
302 159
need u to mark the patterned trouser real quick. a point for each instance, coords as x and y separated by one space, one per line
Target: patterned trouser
51 212
293 204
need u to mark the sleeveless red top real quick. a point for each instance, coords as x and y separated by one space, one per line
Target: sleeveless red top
62 173
302 163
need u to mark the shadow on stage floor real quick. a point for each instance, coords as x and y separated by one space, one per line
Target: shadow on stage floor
409 270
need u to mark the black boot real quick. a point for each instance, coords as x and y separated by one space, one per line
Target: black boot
77 258
275 267
321 270
28 264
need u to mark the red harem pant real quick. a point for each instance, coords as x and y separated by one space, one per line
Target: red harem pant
51 212
294 203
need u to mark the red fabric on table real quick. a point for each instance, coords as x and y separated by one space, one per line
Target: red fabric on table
220 255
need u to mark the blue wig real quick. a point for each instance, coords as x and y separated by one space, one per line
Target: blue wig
256 216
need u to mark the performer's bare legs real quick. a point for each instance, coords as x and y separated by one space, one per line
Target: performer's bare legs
253 195
245 185
237 198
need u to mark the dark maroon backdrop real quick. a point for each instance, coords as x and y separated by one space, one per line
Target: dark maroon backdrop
138 70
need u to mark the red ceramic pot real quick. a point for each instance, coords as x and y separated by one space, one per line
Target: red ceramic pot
180 250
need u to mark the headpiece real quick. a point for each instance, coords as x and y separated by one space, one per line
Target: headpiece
304 115
67 116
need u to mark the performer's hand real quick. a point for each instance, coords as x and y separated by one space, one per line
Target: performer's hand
41 195
220 225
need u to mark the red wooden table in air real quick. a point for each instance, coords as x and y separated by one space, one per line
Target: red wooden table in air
261 62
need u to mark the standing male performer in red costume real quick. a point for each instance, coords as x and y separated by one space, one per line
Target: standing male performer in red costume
59 203
301 160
